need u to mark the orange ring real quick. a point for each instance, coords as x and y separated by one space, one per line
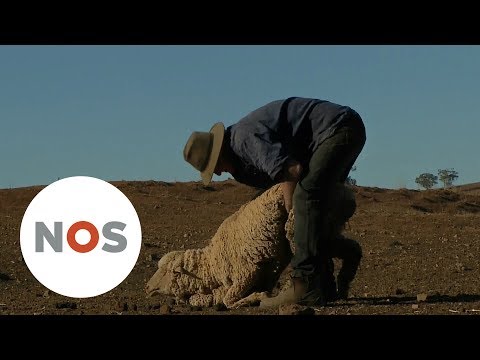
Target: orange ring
82 225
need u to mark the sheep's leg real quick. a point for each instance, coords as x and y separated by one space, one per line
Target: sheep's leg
240 288
350 252
233 295
250 299
218 295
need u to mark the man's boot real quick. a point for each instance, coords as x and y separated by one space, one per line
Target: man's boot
303 291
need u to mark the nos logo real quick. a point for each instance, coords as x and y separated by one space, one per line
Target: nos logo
55 240
70 255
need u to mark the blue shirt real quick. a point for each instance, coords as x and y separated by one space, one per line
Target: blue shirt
292 128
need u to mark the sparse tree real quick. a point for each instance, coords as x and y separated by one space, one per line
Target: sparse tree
447 176
349 180
426 180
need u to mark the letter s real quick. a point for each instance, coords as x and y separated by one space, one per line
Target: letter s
119 238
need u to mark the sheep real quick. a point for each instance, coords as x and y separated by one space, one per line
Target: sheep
241 263
246 256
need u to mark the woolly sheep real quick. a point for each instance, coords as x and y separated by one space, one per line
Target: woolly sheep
243 260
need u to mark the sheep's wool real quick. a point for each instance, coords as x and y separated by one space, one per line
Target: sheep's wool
246 255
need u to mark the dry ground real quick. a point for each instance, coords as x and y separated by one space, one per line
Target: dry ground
414 242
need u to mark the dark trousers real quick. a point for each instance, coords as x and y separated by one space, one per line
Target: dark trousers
330 163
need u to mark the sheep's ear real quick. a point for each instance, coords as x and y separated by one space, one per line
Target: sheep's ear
168 260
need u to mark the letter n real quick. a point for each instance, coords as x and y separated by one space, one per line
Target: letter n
42 232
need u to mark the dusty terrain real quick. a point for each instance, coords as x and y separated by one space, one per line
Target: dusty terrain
421 250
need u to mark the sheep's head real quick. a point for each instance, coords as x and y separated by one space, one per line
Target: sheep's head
164 280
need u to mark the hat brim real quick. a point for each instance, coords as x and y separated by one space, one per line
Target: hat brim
218 131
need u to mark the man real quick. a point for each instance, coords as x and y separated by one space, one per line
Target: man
307 145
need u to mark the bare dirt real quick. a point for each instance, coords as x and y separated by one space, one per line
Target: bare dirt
421 250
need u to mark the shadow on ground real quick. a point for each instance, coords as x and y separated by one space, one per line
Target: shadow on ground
431 299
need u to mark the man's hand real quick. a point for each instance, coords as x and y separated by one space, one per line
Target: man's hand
290 177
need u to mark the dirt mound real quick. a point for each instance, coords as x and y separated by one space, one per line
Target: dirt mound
453 201
469 188
414 242
447 201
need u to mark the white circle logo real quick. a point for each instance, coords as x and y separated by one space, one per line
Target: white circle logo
80 237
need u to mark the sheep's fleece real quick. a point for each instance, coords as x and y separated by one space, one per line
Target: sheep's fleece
243 261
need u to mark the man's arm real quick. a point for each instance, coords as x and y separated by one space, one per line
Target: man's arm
289 177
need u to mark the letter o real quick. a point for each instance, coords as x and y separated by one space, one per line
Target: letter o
82 225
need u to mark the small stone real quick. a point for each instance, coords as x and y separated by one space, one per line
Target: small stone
66 305
153 257
5 277
185 235
415 306
165 309
121 306
422 297
46 293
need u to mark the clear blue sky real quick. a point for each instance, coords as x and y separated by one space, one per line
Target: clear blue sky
125 112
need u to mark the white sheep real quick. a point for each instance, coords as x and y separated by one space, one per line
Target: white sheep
243 260
247 254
